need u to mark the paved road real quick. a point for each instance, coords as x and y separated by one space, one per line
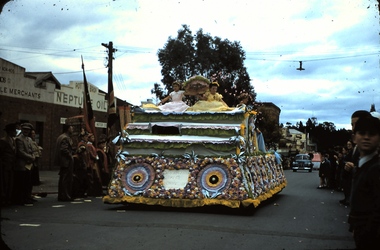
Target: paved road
300 217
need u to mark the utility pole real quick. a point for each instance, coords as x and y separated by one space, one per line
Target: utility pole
110 58
111 107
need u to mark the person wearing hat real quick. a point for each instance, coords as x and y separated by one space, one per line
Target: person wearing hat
80 175
103 161
83 138
7 161
364 217
63 158
95 185
22 189
37 152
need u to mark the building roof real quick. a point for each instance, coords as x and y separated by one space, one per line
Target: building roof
42 77
269 104
119 102
295 132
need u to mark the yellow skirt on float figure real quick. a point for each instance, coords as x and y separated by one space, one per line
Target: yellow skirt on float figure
209 106
214 102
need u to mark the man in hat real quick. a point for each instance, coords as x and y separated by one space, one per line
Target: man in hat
364 216
7 161
95 185
103 161
83 138
64 159
22 189
81 172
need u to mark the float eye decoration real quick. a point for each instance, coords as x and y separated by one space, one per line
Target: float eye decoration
214 179
138 177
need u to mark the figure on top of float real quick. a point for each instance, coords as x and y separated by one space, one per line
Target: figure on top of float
176 97
211 100
243 100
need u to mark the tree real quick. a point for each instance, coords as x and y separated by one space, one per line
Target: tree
160 93
326 136
216 59
373 109
2 3
300 126
270 128
310 124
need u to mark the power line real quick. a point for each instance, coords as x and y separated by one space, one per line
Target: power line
332 54
309 60
355 52
74 72
363 49
48 52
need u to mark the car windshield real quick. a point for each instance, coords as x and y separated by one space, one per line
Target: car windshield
302 157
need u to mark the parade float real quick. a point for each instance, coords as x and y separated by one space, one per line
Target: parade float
192 159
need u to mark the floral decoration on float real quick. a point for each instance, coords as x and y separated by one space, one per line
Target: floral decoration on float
196 85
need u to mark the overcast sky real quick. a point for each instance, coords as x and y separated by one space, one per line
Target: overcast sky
337 41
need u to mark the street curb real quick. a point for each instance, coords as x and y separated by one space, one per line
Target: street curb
48 183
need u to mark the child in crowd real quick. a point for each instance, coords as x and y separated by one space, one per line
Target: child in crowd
364 217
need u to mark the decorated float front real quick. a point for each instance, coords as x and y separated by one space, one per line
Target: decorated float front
193 159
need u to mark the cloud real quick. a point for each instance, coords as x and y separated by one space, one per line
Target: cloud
338 44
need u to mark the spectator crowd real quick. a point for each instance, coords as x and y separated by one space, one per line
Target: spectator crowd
84 169
355 170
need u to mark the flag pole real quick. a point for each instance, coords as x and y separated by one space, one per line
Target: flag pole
89 118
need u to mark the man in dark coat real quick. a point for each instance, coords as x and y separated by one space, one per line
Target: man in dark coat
364 217
22 189
351 159
7 162
103 162
64 159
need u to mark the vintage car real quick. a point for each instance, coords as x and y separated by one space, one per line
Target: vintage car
302 162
